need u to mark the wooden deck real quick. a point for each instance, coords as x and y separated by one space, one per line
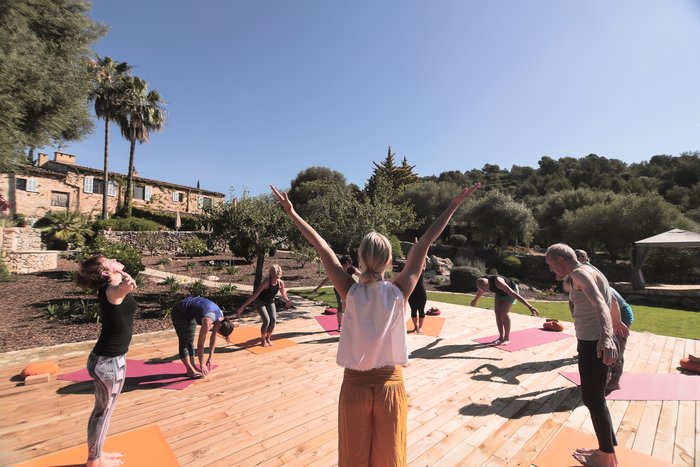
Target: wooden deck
468 405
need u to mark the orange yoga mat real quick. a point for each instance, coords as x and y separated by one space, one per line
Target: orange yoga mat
142 447
566 441
431 326
248 337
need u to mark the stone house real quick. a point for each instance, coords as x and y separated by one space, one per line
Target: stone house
60 184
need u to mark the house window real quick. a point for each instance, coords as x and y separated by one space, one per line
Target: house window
143 192
27 184
96 185
203 202
59 199
139 192
178 197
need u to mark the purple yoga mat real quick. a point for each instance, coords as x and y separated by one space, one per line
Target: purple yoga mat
651 387
329 323
526 338
142 374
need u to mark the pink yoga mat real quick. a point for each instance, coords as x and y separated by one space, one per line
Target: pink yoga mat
329 323
526 338
651 387
144 375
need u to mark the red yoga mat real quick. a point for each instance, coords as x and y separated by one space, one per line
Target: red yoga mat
651 387
145 446
144 375
526 338
329 323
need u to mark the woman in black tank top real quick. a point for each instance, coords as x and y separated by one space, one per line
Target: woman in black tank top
263 299
107 361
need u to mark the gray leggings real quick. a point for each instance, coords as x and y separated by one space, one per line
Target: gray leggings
268 314
109 374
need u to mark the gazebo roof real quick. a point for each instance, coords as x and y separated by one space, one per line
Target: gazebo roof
675 238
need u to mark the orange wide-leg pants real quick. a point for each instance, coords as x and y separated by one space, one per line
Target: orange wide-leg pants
372 414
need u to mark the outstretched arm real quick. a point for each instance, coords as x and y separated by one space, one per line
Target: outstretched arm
478 295
340 279
252 298
326 280
407 279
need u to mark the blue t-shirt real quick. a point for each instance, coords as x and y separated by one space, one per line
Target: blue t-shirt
626 314
199 307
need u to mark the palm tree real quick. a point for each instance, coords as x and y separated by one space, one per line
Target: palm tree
65 229
141 112
107 94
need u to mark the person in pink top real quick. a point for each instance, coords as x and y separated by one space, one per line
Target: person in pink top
372 407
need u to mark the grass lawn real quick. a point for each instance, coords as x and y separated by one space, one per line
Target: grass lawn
661 321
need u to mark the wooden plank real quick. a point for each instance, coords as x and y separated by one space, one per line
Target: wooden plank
468 405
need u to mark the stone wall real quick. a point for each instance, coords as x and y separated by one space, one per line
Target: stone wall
22 251
168 242
21 239
24 262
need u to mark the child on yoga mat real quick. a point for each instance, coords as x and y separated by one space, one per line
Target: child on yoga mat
107 361
263 299
186 315
372 406
507 292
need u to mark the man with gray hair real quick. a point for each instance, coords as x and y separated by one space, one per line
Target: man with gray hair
596 321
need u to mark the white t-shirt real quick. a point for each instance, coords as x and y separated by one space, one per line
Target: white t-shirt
374 327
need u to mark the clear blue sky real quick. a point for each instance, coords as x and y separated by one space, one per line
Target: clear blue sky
259 90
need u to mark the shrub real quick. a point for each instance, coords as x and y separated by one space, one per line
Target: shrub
190 265
151 242
304 254
164 261
172 283
463 278
65 229
5 275
231 270
458 240
129 256
197 288
438 280
193 246
396 249
509 266
74 311
128 224
227 289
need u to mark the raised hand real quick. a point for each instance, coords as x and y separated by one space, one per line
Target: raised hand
283 199
127 279
465 193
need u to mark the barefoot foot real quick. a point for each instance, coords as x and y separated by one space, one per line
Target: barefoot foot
104 462
595 458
